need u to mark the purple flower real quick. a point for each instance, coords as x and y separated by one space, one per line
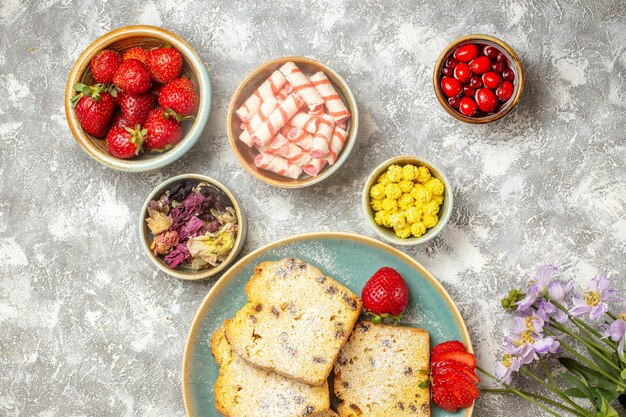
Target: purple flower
509 364
179 255
557 292
538 287
190 228
194 204
617 331
595 299
528 341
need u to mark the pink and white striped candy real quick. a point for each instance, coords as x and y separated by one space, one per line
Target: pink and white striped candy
301 138
277 165
336 144
284 92
269 88
277 119
301 84
314 167
321 139
305 121
332 101
267 107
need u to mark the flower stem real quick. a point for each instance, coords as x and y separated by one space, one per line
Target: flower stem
554 389
521 394
537 396
589 363
546 370
611 315
601 354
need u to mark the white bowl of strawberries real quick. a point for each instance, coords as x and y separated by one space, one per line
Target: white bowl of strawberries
138 98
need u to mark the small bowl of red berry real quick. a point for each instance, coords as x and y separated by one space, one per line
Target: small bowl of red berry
478 79
138 98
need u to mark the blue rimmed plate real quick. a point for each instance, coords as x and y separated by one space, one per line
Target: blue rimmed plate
349 258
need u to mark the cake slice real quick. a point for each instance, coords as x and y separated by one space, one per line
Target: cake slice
378 372
242 390
296 320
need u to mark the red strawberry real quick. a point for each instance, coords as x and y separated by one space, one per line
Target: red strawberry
184 83
449 345
135 107
104 65
137 53
162 130
94 108
465 358
165 64
124 142
385 294
453 393
119 121
182 100
132 77
442 368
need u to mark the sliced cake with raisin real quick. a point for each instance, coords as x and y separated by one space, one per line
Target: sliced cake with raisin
296 321
242 390
378 372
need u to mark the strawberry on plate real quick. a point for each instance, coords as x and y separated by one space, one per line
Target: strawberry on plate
124 142
137 53
135 107
94 108
385 295
453 376
180 96
132 77
104 65
163 131
165 64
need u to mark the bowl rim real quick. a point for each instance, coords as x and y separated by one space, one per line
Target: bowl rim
430 233
201 274
192 135
519 85
328 171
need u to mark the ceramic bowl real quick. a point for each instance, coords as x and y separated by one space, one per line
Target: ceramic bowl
145 237
511 56
389 235
246 155
122 39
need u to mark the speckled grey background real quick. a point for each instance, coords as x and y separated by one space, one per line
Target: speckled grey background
88 327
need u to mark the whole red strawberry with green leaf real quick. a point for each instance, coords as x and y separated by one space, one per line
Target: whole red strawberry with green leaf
385 295
165 64
135 107
104 65
94 107
163 131
180 96
124 142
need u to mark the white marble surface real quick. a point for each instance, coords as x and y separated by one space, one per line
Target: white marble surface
88 327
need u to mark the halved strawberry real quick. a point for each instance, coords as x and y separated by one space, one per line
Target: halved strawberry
451 394
465 358
449 345
462 385
442 368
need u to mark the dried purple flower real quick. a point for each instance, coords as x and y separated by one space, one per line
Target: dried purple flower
220 200
190 228
194 204
179 255
180 191
162 205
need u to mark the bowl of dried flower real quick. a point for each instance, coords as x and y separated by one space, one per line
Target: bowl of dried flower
192 227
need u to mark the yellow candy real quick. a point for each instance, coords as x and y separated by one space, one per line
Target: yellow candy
377 205
383 179
413 214
390 205
403 232
377 191
406 186
397 220
423 175
378 217
405 201
430 220
386 218
393 191
438 199
431 208
418 229
394 173
435 186
421 195
408 172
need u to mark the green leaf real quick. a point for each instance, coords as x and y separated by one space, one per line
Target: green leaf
424 384
574 392
594 378
606 410
579 383
623 374
601 363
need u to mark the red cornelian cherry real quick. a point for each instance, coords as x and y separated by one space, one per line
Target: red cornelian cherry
498 67
447 71
508 75
486 100
451 63
450 86
501 58
466 53
490 52
492 80
468 90
462 72
476 81
480 65
505 91
454 102
468 106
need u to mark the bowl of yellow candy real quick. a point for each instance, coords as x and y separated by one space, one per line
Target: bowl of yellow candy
407 200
